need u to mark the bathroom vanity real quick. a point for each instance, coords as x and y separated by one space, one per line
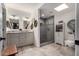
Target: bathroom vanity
19 31
20 38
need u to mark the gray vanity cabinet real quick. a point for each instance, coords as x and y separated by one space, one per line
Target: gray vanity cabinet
20 39
12 38
30 38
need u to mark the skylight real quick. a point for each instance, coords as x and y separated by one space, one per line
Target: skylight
61 7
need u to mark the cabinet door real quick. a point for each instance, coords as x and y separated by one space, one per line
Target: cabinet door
30 38
12 38
16 39
21 39
24 40
56 37
61 38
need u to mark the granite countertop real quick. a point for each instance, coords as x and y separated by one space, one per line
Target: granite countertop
18 31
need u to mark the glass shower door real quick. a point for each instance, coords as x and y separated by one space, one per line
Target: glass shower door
43 32
50 35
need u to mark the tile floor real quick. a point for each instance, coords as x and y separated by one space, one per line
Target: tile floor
47 50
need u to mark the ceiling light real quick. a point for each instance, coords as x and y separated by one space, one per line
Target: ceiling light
61 7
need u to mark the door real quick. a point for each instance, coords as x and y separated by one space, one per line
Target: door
49 32
2 18
50 29
77 32
43 32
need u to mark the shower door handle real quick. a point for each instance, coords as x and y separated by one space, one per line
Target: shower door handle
76 42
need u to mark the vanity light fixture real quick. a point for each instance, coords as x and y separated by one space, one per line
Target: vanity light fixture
25 19
14 17
61 7
43 15
11 17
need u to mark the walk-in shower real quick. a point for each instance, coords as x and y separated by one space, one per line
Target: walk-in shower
47 29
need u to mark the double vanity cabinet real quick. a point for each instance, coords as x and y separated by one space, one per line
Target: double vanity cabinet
20 38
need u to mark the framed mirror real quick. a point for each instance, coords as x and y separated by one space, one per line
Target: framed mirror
31 26
8 24
35 23
71 25
13 22
26 24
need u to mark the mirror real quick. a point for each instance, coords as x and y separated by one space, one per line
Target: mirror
13 22
26 24
8 24
35 23
31 26
71 25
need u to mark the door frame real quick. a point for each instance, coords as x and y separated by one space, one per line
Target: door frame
4 24
76 29
3 12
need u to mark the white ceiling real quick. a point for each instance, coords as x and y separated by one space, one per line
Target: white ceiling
25 7
21 9
48 9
